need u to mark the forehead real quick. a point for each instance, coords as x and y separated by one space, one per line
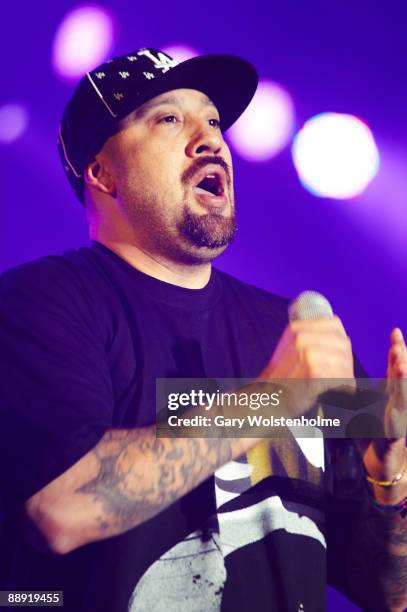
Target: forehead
184 98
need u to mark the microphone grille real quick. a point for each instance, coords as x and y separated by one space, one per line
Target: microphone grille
309 305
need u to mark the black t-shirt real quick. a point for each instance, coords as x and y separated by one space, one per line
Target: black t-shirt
83 338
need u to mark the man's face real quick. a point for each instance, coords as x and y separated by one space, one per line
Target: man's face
172 172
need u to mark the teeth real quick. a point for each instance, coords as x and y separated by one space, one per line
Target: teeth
203 191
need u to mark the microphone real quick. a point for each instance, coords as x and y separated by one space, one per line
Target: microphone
309 305
344 457
313 305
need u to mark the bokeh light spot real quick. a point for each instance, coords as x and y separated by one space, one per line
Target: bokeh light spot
335 155
82 41
13 122
266 126
181 53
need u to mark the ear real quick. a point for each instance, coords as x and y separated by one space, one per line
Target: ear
97 176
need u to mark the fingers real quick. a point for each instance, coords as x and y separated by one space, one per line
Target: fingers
397 363
322 361
316 348
334 342
323 336
396 408
324 325
396 336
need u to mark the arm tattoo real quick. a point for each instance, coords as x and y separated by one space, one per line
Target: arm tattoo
139 475
377 568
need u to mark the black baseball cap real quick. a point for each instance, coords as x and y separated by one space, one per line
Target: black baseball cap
117 87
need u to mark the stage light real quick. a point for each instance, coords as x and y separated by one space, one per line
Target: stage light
180 52
13 122
335 155
82 41
266 126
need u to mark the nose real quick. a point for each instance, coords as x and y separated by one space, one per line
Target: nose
205 140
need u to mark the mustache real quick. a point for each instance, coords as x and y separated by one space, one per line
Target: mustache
201 162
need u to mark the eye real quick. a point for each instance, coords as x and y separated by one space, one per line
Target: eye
169 119
214 123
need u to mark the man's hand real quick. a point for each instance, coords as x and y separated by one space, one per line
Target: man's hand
385 458
314 353
318 348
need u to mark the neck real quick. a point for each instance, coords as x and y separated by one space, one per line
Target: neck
109 226
183 275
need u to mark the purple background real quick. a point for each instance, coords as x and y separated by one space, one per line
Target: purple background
336 56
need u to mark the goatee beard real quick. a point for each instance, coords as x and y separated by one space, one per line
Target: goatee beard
211 230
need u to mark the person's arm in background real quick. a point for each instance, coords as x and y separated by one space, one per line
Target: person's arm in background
367 548
377 561
380 539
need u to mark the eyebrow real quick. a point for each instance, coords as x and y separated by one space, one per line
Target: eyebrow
139 113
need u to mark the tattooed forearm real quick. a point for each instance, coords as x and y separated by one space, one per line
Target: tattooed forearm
377 569
139 475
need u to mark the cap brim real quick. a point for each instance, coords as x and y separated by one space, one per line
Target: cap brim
229 81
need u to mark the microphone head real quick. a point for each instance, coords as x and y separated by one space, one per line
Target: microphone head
309 305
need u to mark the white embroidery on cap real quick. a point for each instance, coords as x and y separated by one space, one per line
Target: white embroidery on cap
119 96
132 58
148 75
124 74
161 62
100 75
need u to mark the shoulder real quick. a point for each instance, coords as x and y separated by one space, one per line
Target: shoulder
64 286
76 271
43 273
51 278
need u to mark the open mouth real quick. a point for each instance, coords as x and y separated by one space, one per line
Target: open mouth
210 183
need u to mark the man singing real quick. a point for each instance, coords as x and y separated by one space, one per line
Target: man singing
95 504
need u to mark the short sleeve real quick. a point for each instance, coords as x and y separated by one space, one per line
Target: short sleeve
56 398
